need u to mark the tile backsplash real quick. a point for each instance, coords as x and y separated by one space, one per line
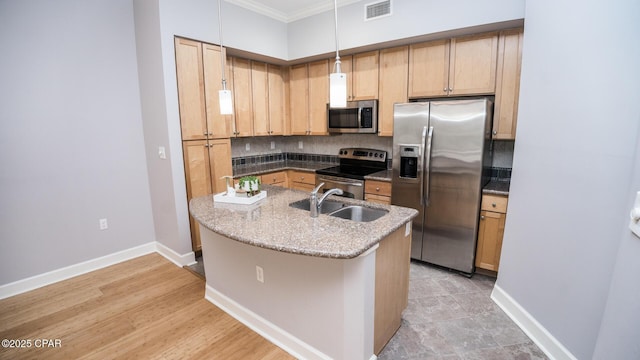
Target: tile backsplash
325 149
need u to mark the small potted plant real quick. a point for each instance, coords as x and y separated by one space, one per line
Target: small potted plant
250 184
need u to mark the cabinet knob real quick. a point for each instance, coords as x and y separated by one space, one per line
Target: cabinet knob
493 204
377 189
495 132
445 89
301 177
482 217
450 89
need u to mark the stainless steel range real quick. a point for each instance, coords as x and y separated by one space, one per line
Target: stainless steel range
355 164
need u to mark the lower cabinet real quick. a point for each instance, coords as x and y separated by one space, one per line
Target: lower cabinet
278 178
302 180
491 231
205 163
377 191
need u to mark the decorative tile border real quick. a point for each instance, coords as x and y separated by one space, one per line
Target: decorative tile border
279 157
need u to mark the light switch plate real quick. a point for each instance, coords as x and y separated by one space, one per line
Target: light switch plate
162 152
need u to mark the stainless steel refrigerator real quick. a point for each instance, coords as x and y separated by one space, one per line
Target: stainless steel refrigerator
440 154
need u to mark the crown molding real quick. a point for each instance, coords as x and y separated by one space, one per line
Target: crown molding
316 8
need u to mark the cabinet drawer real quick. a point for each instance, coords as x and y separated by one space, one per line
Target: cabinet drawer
494 203
377 187
274 178
303 177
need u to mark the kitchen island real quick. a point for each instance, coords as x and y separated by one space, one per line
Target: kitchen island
320 288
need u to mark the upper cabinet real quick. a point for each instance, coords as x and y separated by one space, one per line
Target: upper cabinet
277 103
452 67
299 99
507 84
318 97
242 97
394 67
362 75
199 79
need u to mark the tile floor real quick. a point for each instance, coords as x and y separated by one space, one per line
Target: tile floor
452 317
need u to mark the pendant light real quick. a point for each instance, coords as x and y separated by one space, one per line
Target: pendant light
225 98
337 79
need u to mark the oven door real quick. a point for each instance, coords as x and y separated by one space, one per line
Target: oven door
352 188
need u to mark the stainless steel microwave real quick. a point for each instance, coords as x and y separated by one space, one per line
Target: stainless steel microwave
357 117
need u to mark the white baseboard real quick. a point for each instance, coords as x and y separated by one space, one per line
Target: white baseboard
534 330
37 281
180 260
289 343
54 276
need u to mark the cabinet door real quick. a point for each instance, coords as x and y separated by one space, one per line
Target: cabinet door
191 100
472 65
365 75
299 99
277 113
220 163
260 95
507 84
429 69
490 233
346 64
218 126
318 96
198 178
394 68
242 97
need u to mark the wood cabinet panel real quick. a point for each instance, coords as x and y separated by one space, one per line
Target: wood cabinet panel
472 65
218 126
260 97
278 178
429 69
507 84
394 73
302 177
318 97
494 203
220 163
277 103
391 286
299 99
190 79
490 234
365 70
242 97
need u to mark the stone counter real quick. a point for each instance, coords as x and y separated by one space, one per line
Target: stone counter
273 224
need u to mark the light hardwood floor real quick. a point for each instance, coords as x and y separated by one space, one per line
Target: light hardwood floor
145 308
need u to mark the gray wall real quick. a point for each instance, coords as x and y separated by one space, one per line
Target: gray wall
572 187
71 143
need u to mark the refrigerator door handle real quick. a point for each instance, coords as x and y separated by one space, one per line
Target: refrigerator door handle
422 154
427 164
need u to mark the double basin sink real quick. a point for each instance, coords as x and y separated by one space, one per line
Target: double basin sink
344 211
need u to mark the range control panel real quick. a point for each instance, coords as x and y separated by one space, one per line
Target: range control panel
363 154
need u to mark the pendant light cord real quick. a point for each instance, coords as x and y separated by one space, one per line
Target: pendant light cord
222 52
336 67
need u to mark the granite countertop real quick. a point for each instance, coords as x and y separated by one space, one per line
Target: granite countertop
259 169
384 175
273 224
496 187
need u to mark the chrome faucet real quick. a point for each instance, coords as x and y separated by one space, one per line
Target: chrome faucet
315 203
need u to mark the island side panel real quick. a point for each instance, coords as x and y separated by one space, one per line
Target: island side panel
314 308
391 284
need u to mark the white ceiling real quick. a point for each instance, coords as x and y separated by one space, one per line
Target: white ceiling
289 10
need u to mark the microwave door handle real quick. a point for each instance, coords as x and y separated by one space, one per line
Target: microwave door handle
359 117
422 155
427 164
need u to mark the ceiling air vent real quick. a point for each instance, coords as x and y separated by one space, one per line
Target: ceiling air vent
377 10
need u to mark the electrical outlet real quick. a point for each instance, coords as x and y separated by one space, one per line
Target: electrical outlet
273 145
259 274
103 224
162 153
300 146
247 147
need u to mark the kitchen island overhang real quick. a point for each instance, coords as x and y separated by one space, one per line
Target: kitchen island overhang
332 288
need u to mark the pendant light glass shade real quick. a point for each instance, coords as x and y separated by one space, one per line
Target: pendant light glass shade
337 79
226 102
